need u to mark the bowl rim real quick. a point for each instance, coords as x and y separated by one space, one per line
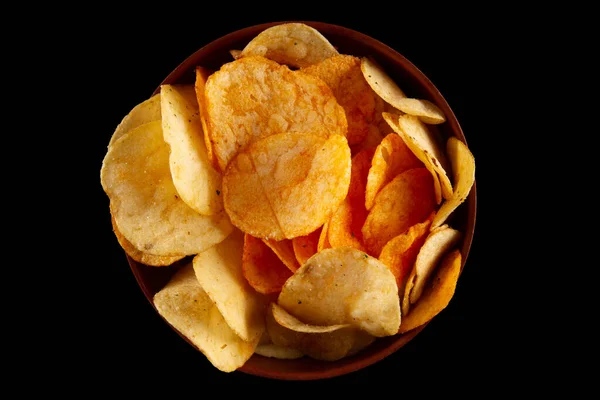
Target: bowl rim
388 345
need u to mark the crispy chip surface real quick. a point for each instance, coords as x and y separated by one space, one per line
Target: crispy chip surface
202 75
463 174
380 81
295 183
437 294
392 157
146 111
284 250
186 306
253 97
262 268
136 176
408 199
344 286
306 246
342 73
219 272
196 181
295 44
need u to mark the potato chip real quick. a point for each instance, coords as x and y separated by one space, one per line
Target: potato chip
272 350
186 307
328 343
400 253
346 222
343 75
219 272
136 176
380 82
303 177
253 97
202 75
372 140
295 44
420 138
140 256
261 267
344 286
408 199
437 293
425 110
463 174
146 111
284 251
197 182
323 242
306 246
392 157
438 242
235 53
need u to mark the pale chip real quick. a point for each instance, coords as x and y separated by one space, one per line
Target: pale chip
344 286
196 181
463 174
146 111
186 307
380 82
219 272
136 176
425 110
295 44
272 350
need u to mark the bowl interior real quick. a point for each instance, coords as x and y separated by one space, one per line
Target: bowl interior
415 84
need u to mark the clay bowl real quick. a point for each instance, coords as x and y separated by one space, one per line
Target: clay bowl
414 83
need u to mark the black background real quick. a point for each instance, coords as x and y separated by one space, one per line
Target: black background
118 339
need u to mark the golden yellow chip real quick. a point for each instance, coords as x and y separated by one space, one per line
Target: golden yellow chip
253 97
344 286
463 174
146 111
197 182
140 256
295 44
186 307
219 272
323 242
343 75
272 350
202 75
425 110
392 157
136 176
436 295
297 181
408 199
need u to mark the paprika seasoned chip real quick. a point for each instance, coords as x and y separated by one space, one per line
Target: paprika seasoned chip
392 157
295 44
463 174
306 246
302 177
437 293
219 272
136 176
284 251
262 269
343 75
344 286
185 305
252 97
408 199
197 182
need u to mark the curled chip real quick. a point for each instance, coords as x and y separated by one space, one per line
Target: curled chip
140 256
185 305
306 246
219 272
136 176
425 110
346 222
253 97
400 253
287 185
344 286
436 294
323 242
197 182
146 111
408 199
438 242
327 343
463 174
261 267
343 75
295 44
392 157
285 251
